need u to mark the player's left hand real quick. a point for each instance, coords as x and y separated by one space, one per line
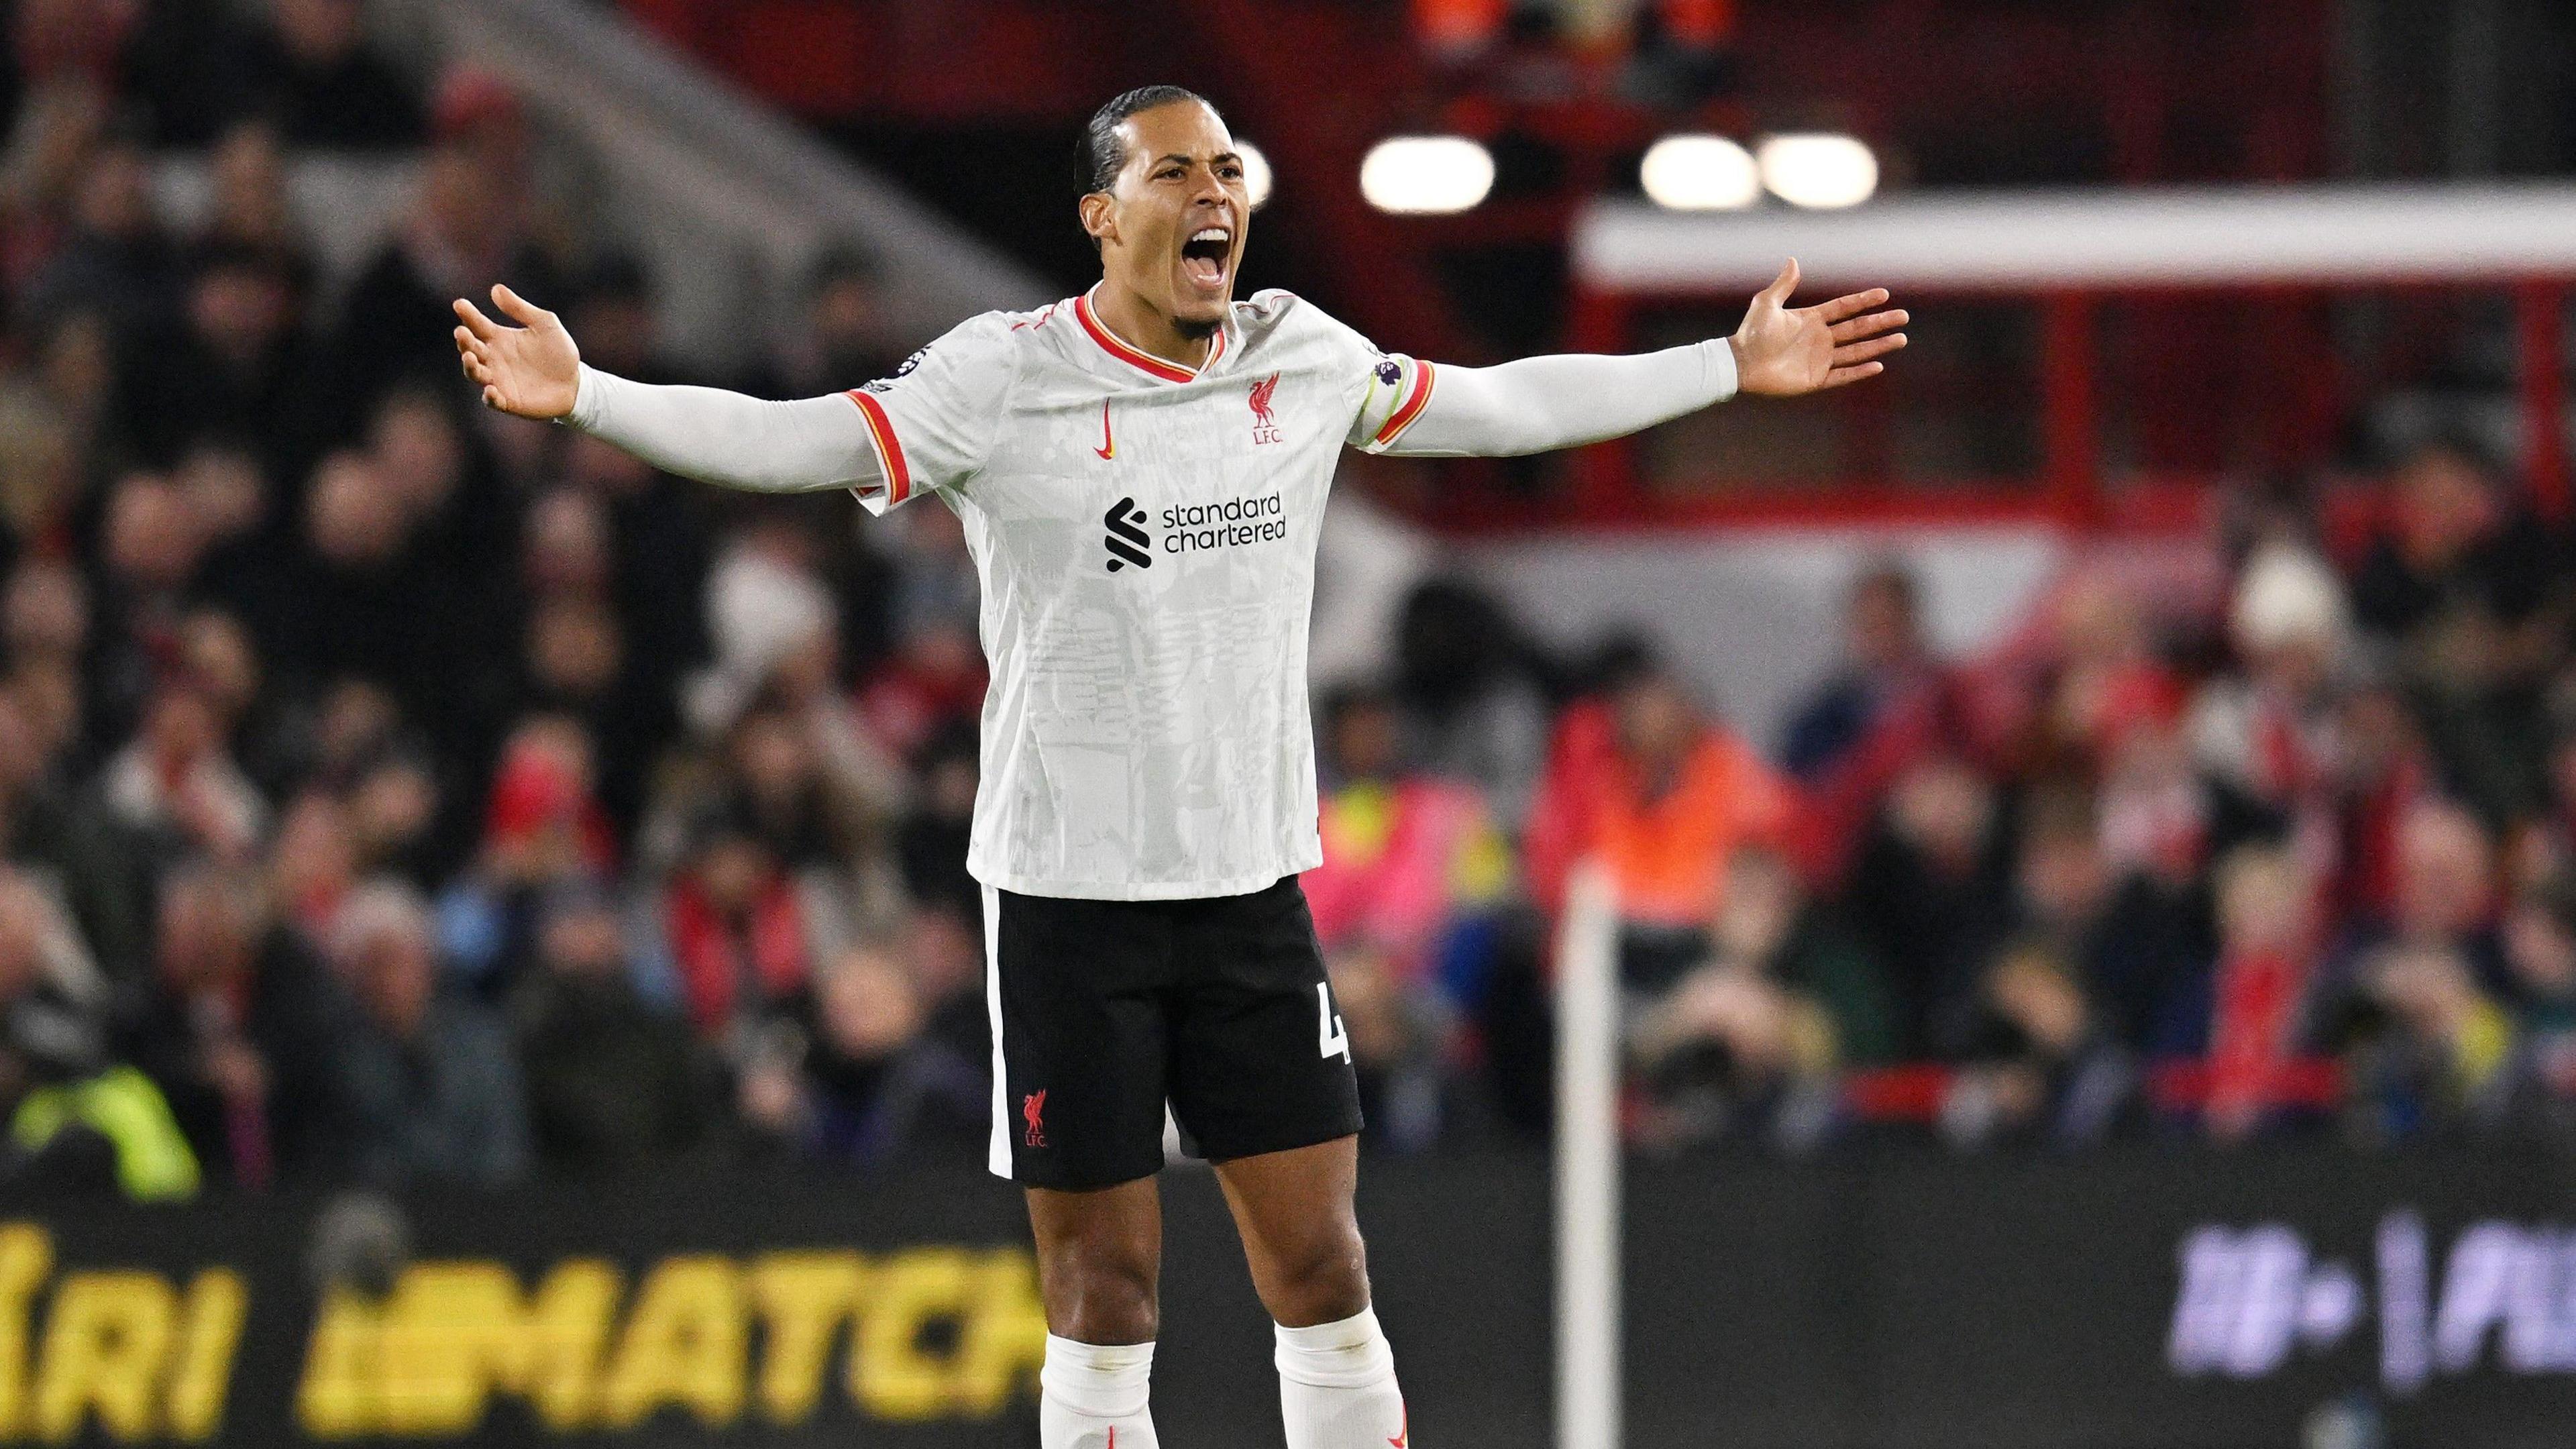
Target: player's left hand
1782 351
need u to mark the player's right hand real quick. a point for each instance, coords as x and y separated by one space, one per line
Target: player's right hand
532 370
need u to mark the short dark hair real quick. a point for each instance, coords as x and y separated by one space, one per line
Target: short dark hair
1103 156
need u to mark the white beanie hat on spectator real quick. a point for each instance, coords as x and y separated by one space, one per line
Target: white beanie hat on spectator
2287 596
759 611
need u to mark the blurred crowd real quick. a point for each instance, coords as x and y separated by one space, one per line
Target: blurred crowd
1659 52
396 792
2262 832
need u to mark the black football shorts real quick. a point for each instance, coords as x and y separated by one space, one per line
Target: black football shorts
1103 1011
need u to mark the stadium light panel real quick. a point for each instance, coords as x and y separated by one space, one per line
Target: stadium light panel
1426 175
1819 169
1256 172
1700 173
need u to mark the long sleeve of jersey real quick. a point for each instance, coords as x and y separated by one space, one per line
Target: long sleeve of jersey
1562 401
729 439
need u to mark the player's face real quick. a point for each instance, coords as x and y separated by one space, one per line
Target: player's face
1172 229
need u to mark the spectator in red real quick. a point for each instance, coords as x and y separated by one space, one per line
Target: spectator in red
2394 974
935 678
543 821
543 829
2108 676
738 934
2268 929
1455 31
2382 773
2162 818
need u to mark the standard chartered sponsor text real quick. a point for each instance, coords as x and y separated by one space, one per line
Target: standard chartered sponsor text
1230 524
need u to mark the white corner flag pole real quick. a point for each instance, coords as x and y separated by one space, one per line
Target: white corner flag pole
1587 1165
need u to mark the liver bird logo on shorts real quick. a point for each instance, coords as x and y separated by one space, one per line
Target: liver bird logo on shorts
1265 428
1033 1109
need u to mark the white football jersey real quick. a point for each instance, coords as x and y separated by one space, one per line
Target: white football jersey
1146 539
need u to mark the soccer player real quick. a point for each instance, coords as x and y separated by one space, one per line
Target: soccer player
1142 471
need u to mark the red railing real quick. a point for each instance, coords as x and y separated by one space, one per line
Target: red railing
1919 1092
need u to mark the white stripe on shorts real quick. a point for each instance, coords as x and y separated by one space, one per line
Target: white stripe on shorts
997 1157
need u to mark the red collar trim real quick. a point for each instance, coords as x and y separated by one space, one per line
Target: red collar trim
1137 358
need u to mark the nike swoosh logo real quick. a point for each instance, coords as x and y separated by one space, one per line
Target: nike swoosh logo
1404 1427
1108 446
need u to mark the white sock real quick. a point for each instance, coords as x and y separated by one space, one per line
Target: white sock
1092 1396
1337 1387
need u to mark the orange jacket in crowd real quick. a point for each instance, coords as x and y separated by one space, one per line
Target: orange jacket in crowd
1669 854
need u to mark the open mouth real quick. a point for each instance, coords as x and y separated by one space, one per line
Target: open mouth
1204 256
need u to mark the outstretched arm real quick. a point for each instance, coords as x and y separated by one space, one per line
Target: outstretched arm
1540 403
535 371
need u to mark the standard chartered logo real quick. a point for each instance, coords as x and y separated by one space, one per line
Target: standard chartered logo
1127 543
1191 527
1231 524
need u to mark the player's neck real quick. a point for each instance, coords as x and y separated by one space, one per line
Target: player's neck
1146 327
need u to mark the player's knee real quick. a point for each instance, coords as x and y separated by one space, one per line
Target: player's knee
1095 1296
1319 1279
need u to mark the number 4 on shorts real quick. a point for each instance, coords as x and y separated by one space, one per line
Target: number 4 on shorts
1331 1040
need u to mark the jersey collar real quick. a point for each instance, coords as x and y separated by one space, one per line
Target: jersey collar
1136 357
